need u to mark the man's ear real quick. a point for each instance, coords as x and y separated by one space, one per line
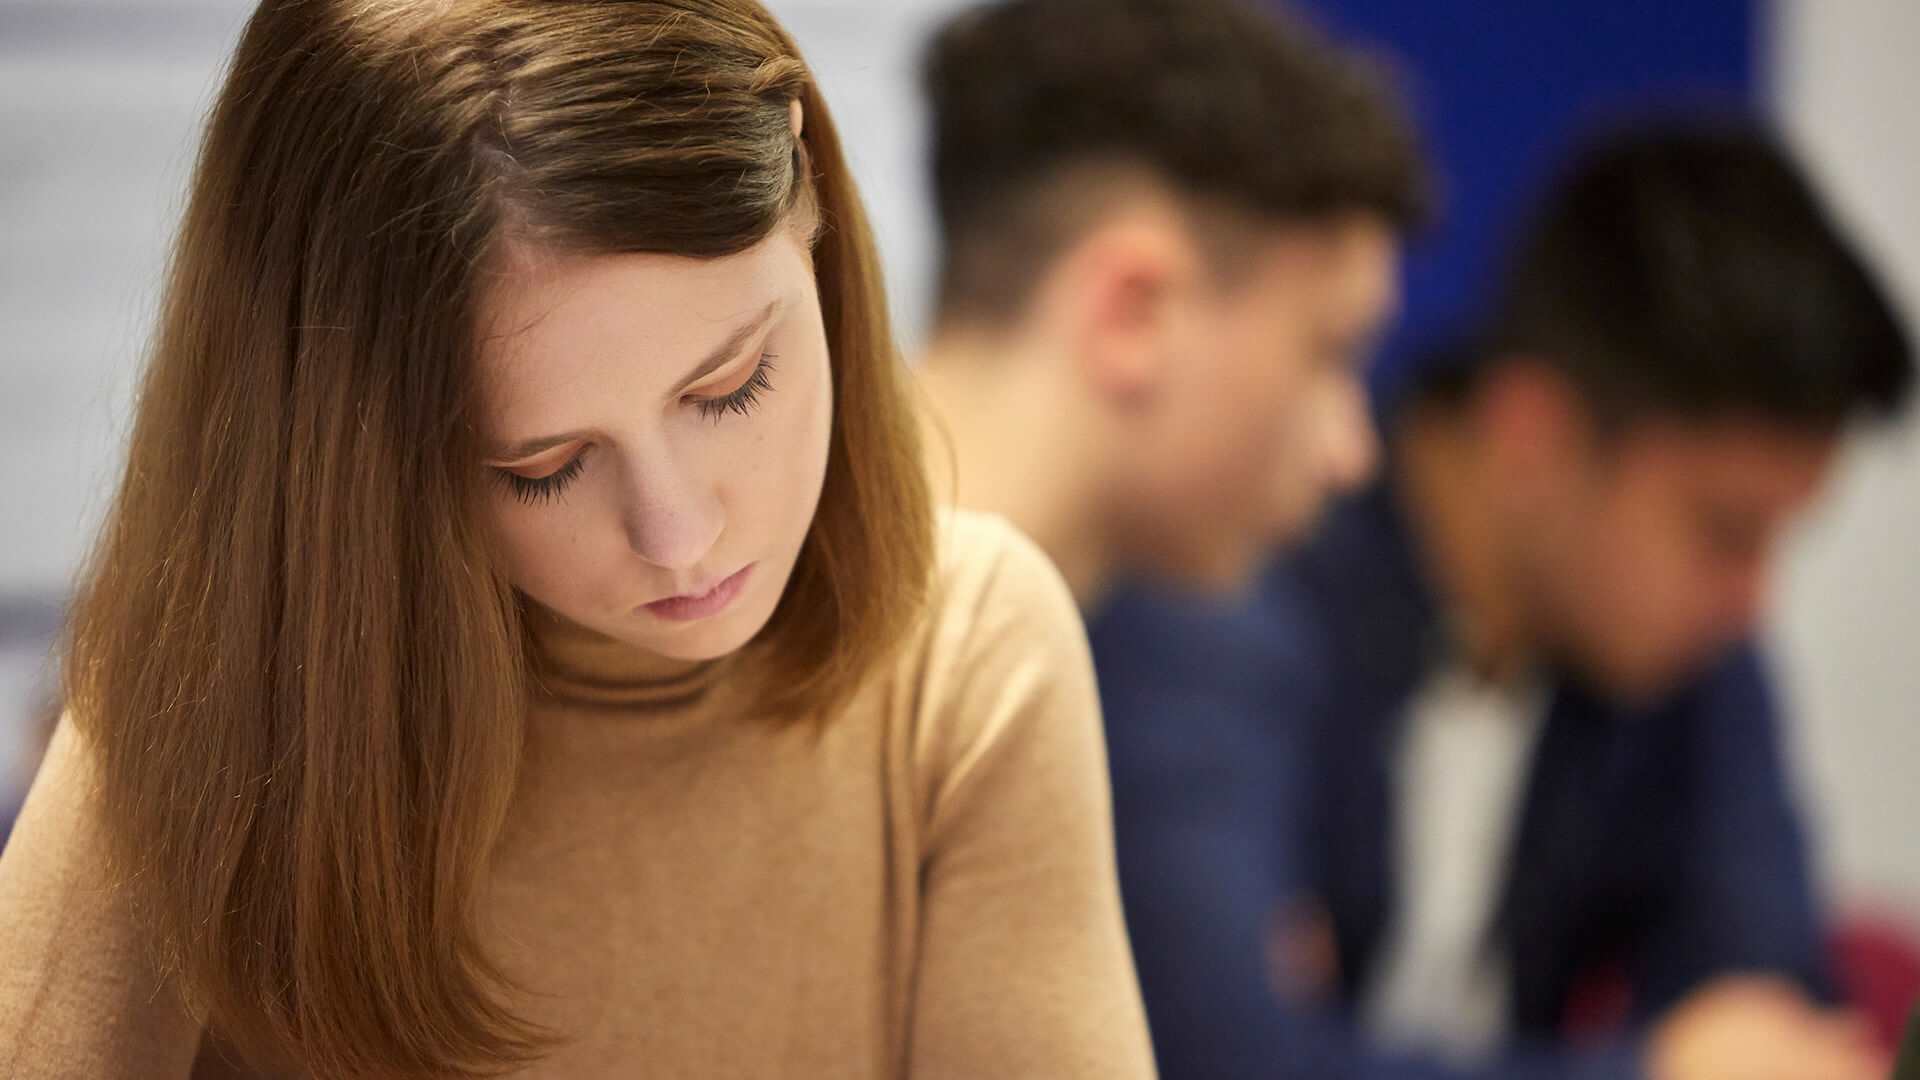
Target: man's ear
1530 414
1129 281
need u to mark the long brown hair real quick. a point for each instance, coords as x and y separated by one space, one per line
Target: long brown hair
300 667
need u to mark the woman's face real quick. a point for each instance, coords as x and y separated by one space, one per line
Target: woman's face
656 436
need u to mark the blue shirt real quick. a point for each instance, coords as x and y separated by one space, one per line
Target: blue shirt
1250 747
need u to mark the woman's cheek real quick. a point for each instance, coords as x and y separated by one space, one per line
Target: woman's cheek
542 549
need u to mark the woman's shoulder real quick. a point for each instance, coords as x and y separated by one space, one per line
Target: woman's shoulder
80 995
983 558
1002 646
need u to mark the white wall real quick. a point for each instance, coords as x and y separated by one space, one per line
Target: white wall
98 109
99 104
1848 625
865 52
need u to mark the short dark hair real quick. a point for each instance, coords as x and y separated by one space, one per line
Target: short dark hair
1689 270
1232 105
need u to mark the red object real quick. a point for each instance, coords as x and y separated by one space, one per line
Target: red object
1600 1006
1877 963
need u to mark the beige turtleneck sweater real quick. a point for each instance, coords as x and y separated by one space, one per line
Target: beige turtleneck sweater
924 887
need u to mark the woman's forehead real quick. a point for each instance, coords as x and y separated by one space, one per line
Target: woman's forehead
560 327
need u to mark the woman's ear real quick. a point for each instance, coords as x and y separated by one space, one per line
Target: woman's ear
796 117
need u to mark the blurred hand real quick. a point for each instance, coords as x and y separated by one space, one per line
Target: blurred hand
1756 1028
1303 955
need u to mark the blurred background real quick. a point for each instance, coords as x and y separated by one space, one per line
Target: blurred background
100 102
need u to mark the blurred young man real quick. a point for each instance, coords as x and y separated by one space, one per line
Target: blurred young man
1488 784
1171 233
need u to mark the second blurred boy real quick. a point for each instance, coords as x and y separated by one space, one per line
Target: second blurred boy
1495 764
1171 233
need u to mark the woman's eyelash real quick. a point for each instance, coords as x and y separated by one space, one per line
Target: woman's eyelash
546 488
741 401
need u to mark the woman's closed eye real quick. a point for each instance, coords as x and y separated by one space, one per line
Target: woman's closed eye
741 400
533 490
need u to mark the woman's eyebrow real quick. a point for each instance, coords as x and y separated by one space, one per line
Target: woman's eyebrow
729 348
527 448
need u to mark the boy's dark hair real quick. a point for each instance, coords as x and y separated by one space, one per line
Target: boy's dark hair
1691 271
1232 106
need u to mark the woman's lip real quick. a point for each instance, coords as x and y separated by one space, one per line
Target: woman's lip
711 602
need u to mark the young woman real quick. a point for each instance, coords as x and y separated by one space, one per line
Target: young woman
521 641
